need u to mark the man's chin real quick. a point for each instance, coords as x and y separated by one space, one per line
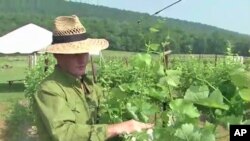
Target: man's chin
80 74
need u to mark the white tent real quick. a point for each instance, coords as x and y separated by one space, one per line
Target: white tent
25 40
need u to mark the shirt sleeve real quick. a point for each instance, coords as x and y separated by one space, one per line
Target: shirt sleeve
60 122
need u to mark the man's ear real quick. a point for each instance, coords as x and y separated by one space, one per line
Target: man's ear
58 58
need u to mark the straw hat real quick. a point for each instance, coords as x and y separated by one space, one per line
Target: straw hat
69 37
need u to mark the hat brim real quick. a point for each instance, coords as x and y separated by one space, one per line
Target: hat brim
85 46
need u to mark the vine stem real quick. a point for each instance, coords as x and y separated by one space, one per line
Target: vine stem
216 122
210 85
206 83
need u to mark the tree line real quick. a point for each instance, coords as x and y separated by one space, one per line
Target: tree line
125 30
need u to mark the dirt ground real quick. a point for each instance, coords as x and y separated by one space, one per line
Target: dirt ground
224 134
29 132
2 127
3 109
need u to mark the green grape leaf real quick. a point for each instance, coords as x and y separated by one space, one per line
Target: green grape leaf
241 79
165 43
143 117
200 95
173 81
187 132
141 60
148 108
211 103
132 110
161 134
184 107
209 126
207 136
153 30
246 122
117 93
216 96
153 47
232 119
215 100
195 93
245 94
207 132
173 72
157 95
172 78
159 69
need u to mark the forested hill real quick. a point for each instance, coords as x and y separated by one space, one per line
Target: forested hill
125 30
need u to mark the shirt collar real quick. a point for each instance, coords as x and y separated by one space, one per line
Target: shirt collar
69 79
65 76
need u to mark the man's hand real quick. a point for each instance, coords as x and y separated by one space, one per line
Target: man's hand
127 127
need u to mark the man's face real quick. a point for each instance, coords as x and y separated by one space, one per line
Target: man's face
75 64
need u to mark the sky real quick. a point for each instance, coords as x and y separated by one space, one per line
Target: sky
233 15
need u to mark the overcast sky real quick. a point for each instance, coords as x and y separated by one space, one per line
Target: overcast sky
232 15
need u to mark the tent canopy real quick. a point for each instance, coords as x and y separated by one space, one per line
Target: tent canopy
25 40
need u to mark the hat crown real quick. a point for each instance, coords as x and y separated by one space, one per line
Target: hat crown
69 37
68 25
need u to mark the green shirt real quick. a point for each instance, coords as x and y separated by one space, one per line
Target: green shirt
66 111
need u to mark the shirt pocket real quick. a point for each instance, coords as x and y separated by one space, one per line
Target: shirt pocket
75 109
81 112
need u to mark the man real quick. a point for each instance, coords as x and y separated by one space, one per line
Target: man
66 102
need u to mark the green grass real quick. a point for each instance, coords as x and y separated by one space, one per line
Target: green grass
12 68
9 96
7 102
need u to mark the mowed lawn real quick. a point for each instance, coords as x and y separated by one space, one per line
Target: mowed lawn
11 68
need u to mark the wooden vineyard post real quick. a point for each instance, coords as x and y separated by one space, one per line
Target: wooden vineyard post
215 60
30 61
166 58
126 61
200 57
93 69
